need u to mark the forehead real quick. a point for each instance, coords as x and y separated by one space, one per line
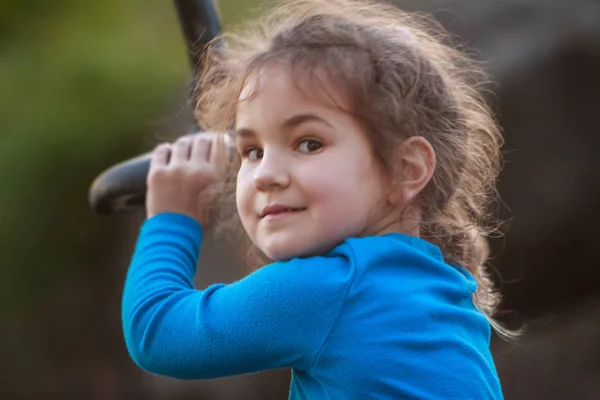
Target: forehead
278 86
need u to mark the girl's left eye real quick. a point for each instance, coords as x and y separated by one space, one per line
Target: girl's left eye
309 146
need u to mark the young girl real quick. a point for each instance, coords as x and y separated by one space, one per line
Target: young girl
365 165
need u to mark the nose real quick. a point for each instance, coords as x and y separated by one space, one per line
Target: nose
271 173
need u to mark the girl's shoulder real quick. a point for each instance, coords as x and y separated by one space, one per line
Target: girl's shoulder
398 244
411 256
413 259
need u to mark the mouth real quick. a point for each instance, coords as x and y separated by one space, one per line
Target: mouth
275 210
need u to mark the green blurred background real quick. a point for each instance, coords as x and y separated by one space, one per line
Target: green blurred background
83 85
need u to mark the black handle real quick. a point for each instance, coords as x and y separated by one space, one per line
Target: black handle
200 23
122 187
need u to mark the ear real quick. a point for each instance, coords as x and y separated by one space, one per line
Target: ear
415 161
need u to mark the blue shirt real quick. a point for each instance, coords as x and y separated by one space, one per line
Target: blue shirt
380 317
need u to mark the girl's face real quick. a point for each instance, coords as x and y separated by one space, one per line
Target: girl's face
308 178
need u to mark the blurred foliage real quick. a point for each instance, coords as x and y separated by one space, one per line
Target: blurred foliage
84 84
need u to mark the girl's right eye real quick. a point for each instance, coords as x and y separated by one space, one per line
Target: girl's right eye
253 153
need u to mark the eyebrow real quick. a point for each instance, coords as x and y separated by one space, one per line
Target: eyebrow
289 124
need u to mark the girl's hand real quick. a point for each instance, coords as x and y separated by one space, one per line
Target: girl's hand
183 176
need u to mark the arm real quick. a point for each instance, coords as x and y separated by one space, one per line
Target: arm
279 316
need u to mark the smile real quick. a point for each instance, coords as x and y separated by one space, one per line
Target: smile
277 211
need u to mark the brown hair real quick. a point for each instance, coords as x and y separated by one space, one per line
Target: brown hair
402 80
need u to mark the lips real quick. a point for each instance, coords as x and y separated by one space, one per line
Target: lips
279 209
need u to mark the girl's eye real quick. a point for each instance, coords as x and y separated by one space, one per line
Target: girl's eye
309 146
253 154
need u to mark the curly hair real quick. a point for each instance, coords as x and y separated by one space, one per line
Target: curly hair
402 78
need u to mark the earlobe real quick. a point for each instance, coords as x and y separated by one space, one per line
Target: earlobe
416 164
395 196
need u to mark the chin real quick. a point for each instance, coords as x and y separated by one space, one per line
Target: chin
281 254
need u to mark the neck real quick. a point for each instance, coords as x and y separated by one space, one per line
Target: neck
406 221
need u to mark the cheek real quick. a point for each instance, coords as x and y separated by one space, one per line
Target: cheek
329 185
243 194
349 187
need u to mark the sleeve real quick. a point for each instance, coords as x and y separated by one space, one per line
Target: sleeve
278 316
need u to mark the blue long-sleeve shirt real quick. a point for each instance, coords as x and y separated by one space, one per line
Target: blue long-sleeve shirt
378 317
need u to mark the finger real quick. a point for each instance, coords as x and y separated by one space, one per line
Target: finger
220 150
160 155
201 149
180 152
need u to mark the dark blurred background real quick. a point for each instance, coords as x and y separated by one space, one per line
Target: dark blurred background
84 85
